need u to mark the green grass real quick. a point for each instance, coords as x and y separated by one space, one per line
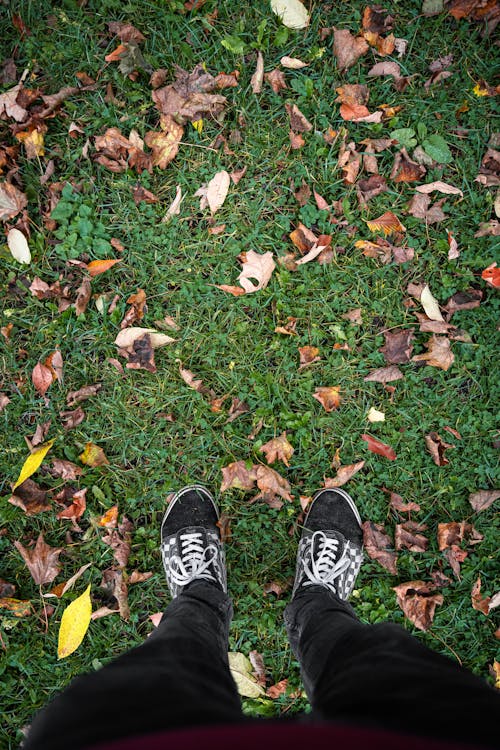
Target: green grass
230 342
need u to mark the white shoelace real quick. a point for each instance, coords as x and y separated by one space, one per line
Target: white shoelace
326 568
193 561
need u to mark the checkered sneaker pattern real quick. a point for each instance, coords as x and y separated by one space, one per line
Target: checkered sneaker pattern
194 553
326 558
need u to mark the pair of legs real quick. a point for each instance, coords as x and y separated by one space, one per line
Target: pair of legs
363 675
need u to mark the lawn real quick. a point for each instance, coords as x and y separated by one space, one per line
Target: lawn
156 430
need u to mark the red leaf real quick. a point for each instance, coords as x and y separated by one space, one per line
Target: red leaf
375 446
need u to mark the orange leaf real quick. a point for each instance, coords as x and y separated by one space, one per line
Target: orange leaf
116 55
328 397
95 267
387 223
492 275
375 446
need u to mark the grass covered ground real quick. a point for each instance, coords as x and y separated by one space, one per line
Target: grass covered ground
230 342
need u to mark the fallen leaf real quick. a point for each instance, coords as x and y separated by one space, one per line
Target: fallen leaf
492 275
274 691
33 463
439 354
348 48
298 122
482 604
378 546
453 249
18 246
370 188
483 499
258 267
30 498
64 469
376 446
77 507
466 300
93 456
397 503
128 336
164 144
375 416
455 532
63 588
175 207
276 79
114 583
110 518
258 76
292 13
293 63
87 391
119 539
237 476
405 169
387 223
72 418
83 295
344 474
18 607
41 378
398 346
140 194
42 561
436 447
407 536
126 32
259 670
275 587
241 671
328 397
74 624
384 375
385 68
96 267
441 187
308 355
271 484
430 304
418 602
420 207
277 449
189 97
4 400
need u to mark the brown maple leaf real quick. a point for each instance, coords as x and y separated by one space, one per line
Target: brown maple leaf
190 97
398 346
308 355
379 546
278 449
276 79
439 354
42 560
418 602
328 396
272 485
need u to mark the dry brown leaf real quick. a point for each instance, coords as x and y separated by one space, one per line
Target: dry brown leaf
64 469
237 475
420 207
276 587
482 604
418 602
272 484
298 122
276 79
258 76
347 48
41 378
278 449
77 507
42 560
119 539
296 140
140 194
455 532
83 294
483 499
164 144
82 394
396 502
344 474
385 68
114 582
439 354
257 662
329 397
405 169
189 97
384 375
293 63
274 691
236 409
370 188
308 355
407 536
436 447
378 546
214 193
387 223
93 455
441 187
30 497
466 300
398 346
72 418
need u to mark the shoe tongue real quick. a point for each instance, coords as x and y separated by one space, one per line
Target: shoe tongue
333 534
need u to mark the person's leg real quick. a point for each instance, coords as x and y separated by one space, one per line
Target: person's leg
180 676
372 674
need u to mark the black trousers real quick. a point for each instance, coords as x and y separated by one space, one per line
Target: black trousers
366 675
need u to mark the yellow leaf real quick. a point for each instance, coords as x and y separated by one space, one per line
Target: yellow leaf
33 462
386 223
241 671
479 90
198 125
93 455
74 624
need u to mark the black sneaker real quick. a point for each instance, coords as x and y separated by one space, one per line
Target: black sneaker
191 547
331 546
